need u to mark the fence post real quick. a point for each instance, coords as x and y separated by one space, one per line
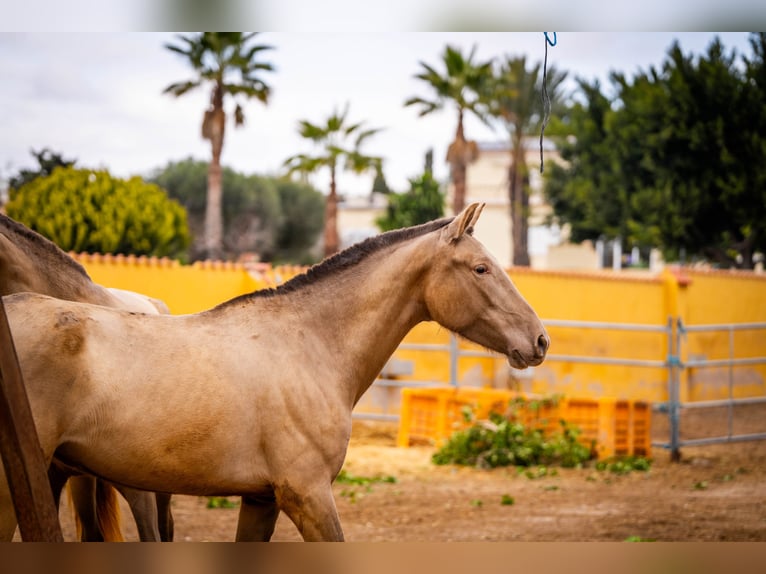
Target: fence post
454 351
674 365
20 449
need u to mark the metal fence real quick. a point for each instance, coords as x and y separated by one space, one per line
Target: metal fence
676 333
676 365
455 354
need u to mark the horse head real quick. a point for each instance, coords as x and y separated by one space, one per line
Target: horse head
468 292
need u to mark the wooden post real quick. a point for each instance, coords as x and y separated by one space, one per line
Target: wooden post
20 448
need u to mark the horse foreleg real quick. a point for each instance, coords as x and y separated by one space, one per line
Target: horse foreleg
57 476
257 517
312 510
144 508
164 516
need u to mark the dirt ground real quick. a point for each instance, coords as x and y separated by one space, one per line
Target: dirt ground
716 493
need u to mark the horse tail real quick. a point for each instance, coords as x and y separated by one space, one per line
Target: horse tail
108 511
77 521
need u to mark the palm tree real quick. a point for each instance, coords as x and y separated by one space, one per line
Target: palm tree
332 138
463 84
517 102
226 62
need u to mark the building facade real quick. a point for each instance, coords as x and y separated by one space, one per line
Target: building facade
487 182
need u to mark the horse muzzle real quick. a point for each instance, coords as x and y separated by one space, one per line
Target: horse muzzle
519 360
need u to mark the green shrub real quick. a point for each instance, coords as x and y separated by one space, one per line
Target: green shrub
89 210
504 442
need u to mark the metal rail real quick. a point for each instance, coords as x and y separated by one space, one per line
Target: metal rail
676 332
674 405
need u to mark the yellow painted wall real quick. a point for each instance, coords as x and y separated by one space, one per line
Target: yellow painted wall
720 297
184 288
604 297
620 297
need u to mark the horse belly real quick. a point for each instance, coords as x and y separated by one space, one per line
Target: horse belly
187 437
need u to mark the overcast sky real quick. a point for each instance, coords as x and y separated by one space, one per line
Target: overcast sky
97 97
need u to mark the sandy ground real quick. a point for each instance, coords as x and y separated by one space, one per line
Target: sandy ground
715 493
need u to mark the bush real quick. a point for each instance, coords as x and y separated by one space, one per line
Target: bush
84 210
503 442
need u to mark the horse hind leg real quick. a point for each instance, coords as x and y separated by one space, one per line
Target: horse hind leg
257 518
164 516
144 508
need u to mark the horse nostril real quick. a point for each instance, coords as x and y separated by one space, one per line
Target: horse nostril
542 345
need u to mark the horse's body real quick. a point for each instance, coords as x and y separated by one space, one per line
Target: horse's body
254 397
31 263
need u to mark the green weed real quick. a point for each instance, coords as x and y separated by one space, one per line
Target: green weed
639 539
345 477
363 484
624 464
220 502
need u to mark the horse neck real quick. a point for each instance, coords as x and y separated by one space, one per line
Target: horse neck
39 273
362 313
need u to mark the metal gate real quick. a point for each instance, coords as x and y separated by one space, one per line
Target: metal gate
675 361
676 366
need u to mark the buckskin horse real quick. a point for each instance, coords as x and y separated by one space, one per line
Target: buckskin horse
30 262
254 397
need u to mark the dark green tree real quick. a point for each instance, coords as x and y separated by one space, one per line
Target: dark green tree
583 189
251 209
301 223
675 160
230 65
422 203
47 161
273 217
90 211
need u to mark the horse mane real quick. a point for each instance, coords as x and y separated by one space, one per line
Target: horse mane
346 259
42 246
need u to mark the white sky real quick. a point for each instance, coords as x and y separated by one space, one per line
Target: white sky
98 97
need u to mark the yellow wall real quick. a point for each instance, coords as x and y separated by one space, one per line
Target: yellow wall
184 288
697 297
719 297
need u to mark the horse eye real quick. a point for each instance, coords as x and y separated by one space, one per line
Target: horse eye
481 269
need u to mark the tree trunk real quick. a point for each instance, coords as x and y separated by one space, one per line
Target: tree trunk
459 154
214 209
331 241
518 182
457 173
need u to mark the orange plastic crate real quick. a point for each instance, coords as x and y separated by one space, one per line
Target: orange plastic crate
618 427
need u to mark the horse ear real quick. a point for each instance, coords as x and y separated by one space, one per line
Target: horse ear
463 222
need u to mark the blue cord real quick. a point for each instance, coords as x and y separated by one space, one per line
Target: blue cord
549 40
546 99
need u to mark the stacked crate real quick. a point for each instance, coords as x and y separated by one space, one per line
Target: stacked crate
618 427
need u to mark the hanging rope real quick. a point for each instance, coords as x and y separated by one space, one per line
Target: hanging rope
545 96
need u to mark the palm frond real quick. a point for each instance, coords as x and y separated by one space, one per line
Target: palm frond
180 88
426 106
364 135
359 163
217 55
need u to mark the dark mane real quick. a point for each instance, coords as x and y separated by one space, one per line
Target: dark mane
347 258
42 246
